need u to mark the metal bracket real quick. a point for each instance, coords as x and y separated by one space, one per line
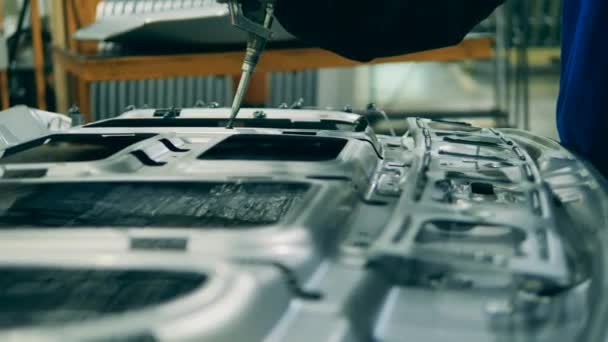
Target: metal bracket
240 20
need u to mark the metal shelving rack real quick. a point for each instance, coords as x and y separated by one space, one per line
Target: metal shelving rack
514 26
521 26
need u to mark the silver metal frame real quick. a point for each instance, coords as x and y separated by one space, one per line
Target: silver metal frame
347 264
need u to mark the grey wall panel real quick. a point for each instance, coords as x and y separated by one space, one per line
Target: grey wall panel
288 87
111 98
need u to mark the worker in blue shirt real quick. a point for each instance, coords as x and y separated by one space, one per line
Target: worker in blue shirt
582 113
365 29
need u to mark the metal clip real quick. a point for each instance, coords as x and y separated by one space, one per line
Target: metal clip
240 20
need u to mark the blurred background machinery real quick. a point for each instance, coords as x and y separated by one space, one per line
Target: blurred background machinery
109 98
497 87
112 97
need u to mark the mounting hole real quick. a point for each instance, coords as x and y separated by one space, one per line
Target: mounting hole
485 189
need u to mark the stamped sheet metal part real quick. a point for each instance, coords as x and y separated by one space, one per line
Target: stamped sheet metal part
172 22
538 253
20 124
296 218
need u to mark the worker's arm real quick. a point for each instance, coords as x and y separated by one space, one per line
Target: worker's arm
368 29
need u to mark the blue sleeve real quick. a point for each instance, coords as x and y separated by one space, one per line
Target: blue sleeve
582 113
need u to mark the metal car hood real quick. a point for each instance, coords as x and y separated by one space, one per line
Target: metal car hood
449 232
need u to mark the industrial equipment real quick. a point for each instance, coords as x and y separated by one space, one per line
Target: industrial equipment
168 23
133 27
258 25
297 225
